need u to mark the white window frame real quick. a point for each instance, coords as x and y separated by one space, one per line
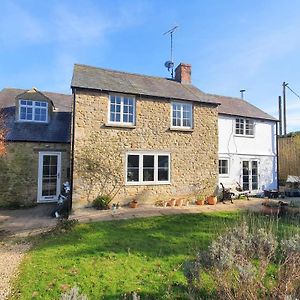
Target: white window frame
33 106
181 115
155 154
244 127
228 167
121 110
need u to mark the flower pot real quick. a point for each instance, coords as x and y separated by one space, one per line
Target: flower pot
172 202
179 202
200 202
133 204
212 200
271 211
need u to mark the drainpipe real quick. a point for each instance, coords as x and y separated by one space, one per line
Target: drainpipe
72 148
277 156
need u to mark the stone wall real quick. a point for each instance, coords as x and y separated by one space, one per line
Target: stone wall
193 153
19 171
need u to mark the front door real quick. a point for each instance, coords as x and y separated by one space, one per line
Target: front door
49 176
250 175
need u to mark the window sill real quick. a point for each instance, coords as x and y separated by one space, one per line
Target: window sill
121 125
224 176
181 129
146 183
245 136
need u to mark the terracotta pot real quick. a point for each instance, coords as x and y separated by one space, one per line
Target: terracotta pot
133 204
172 202
271 211
212 200
179 202
200 202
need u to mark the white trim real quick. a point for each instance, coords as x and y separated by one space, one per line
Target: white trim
155 154
244 128
33 110
122 123
181 115
224 175
40 198
250 160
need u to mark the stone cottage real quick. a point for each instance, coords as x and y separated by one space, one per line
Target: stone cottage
38 146
158 137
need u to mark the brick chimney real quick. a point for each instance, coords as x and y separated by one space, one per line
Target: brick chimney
183 73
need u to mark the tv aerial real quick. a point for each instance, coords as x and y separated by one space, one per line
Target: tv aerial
169 64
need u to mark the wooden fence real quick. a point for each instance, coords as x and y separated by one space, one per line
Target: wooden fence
289 156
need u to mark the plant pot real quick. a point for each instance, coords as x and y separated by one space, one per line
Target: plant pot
271 211
172 202
212 200
179 202
133 204
200 202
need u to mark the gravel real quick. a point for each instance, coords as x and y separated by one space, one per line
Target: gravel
11 255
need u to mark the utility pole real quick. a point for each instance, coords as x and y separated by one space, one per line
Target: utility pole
284 85
280 115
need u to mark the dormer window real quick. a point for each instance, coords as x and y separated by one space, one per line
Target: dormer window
33 111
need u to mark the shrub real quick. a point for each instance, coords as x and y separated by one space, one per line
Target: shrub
102 202
241 263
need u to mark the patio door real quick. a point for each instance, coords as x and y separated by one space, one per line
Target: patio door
250 178
49 176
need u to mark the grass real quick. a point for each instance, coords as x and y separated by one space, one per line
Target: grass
109 259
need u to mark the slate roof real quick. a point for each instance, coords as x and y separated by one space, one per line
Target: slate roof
115 81
57 130
129 83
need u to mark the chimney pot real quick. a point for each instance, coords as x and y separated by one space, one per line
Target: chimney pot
183 73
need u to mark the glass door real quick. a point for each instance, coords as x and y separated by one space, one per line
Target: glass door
49 176
250 180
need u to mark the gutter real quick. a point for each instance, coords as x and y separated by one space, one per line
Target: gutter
277 156
72 148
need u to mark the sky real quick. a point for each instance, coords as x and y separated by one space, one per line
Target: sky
231 44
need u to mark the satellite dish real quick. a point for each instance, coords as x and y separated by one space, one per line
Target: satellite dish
169 64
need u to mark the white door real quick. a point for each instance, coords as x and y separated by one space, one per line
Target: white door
250 179
49 176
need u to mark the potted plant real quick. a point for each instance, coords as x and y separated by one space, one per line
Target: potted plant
179 202
200 200
172 202
212 200
133 203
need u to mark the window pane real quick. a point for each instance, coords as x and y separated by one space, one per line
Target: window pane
148 174
163 161
163 175
148 161
133 168
148 167
223 166
249 127
118 100
163 168
239 126
133 161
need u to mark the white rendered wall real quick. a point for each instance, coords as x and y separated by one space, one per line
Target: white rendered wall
261 147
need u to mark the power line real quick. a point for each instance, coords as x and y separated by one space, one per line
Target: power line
293 91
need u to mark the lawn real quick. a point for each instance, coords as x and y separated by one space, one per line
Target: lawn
109 259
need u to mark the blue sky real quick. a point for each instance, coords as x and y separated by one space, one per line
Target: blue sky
230 44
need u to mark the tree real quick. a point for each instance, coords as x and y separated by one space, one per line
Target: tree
3 132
